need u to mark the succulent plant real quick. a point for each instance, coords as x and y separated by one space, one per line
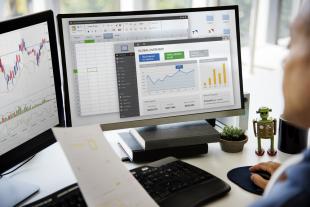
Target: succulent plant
232 133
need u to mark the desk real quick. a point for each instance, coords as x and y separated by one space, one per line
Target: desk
50 170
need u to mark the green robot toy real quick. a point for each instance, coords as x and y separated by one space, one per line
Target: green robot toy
265 129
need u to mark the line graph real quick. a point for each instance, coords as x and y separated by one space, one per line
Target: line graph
20 128
11 72
168 77
21 110
179 79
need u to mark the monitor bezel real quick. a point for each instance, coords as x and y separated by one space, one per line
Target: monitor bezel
153 121
43 140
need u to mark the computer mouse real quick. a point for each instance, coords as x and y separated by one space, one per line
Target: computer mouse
264 174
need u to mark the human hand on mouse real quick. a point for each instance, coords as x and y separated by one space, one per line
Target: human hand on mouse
269 167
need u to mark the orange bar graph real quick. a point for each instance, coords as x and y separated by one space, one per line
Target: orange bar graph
217 77
224 74
220 78
214 76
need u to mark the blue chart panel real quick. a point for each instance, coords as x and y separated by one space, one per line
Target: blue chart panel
178 80
149 57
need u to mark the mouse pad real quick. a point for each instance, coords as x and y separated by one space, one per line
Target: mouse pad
241 177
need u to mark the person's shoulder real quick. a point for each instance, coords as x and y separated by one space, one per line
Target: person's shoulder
294 191
298 174
307 155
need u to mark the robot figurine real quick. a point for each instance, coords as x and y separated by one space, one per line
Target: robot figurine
265 129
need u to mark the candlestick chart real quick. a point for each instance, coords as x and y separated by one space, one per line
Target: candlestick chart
28 103
13 63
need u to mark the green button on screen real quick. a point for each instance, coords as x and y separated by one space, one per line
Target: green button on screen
89 41
174 55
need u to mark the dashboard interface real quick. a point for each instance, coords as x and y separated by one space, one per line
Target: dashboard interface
136 67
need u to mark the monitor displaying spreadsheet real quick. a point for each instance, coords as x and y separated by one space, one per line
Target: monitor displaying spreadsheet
151 66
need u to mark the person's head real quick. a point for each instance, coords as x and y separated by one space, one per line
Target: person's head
296 83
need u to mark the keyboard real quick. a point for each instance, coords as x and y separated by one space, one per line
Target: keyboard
172 182
68 196
169 181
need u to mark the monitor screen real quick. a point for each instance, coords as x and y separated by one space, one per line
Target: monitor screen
29 104
152 65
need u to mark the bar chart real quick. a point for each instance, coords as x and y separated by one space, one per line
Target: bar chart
215 73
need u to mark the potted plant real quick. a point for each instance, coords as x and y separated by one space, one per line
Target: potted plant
232 139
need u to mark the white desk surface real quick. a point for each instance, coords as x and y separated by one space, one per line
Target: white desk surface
50 170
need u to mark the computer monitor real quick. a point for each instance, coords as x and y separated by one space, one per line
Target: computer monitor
130 69
30 88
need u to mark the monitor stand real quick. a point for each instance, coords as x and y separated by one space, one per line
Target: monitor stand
178 134
13 192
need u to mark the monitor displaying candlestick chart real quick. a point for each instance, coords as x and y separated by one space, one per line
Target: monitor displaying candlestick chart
28 104
151 67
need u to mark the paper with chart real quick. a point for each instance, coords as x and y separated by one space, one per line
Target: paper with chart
102 177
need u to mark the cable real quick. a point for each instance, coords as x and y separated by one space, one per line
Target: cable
22 164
